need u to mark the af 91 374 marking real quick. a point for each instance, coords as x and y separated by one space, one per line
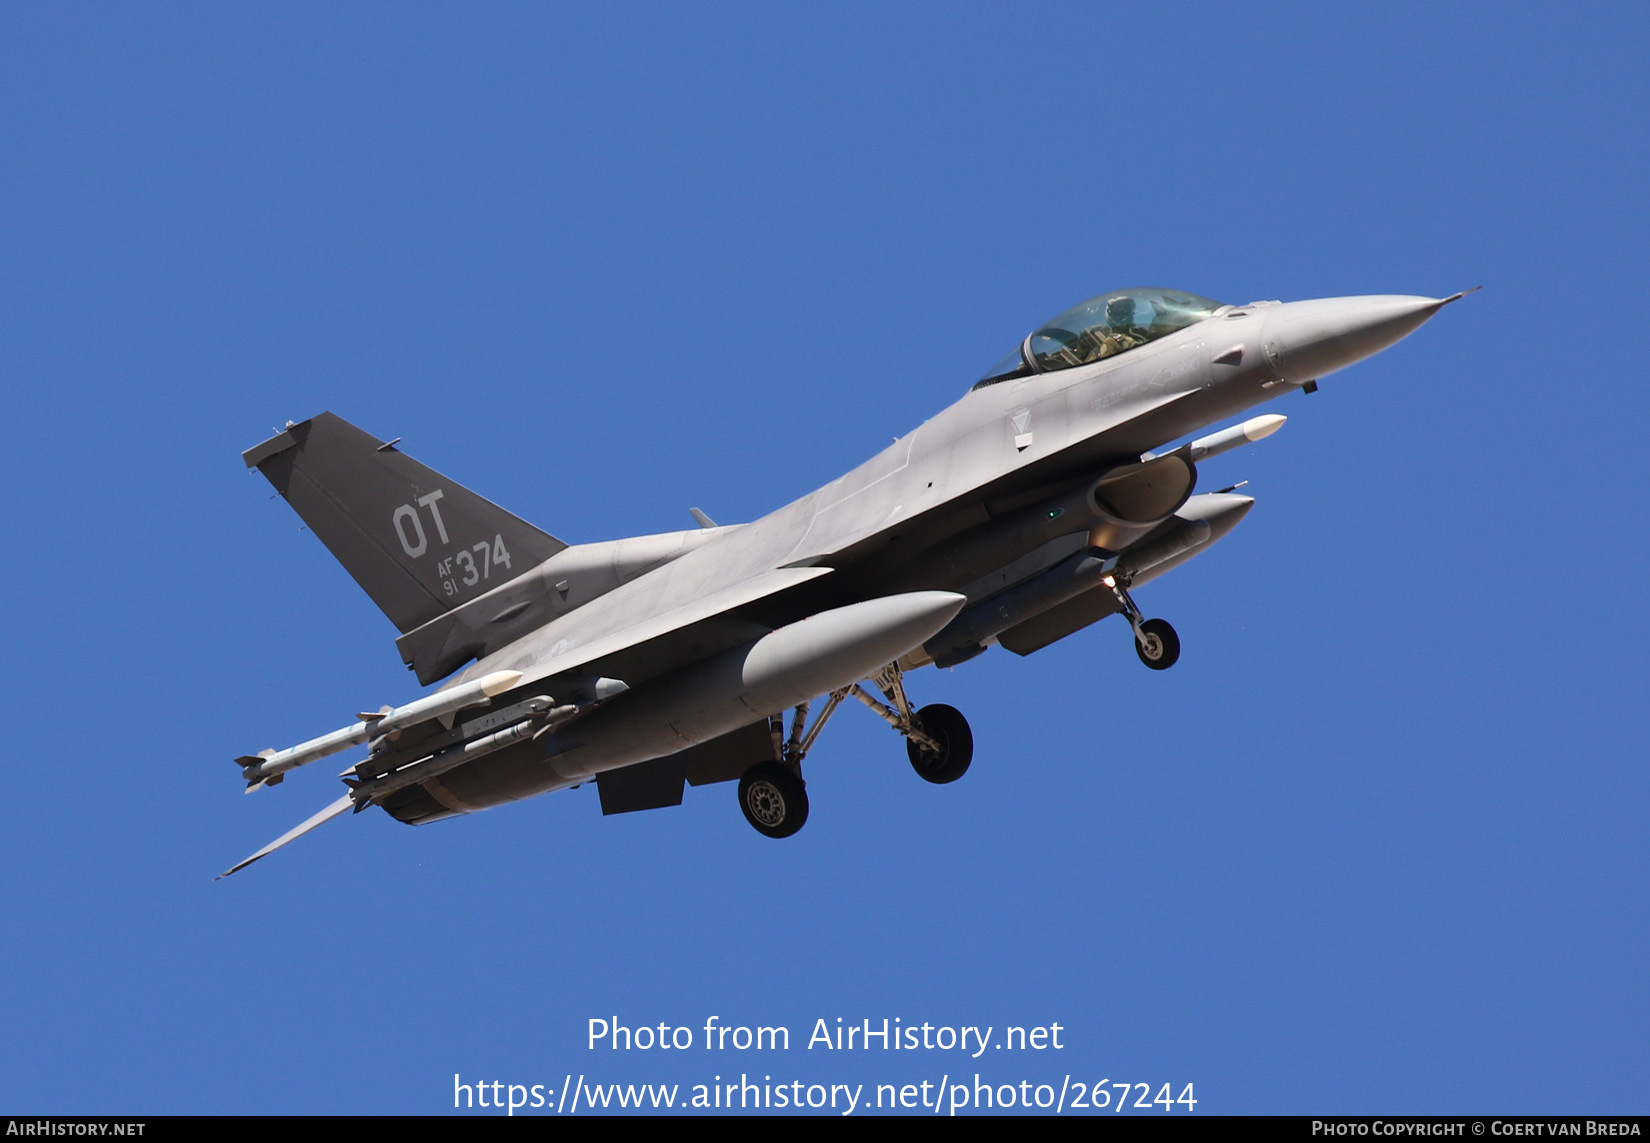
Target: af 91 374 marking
464 560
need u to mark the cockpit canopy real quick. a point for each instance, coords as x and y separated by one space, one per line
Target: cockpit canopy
1101 327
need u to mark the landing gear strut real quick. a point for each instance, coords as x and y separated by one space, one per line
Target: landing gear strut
772 794
1154 640
937 739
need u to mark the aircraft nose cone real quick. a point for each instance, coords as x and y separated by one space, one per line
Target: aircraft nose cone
1306 340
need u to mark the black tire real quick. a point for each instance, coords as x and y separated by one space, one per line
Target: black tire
946 725
1162 647
774 799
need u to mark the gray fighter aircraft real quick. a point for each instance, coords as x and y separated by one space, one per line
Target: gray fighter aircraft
1024 512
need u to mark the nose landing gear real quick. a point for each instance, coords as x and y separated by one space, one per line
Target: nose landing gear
1154 640
1157 644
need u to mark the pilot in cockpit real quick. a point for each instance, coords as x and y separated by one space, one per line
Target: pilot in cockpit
1121 329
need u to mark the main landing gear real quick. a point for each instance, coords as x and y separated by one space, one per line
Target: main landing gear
937 738
1154 640
774 797
772 794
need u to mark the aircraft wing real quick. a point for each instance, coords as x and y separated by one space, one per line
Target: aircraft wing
861 559
873 551
655 636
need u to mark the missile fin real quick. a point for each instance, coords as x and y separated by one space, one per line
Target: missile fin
266 780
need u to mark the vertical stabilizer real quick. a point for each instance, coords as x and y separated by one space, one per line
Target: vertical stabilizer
417 543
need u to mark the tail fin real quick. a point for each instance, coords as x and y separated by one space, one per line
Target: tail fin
419 544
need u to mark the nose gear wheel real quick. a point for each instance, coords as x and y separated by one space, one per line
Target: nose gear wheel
1158 646
1155 640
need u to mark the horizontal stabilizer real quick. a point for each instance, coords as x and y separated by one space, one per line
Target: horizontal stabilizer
342 805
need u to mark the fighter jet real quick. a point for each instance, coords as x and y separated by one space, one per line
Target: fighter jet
1031 508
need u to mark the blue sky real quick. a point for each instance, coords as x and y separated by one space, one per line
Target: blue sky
1376 844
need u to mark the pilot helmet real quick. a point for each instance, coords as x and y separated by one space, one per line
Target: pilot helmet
1120 312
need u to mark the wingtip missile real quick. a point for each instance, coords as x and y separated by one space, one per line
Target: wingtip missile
498 682
1254 429
1257 428
266 768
